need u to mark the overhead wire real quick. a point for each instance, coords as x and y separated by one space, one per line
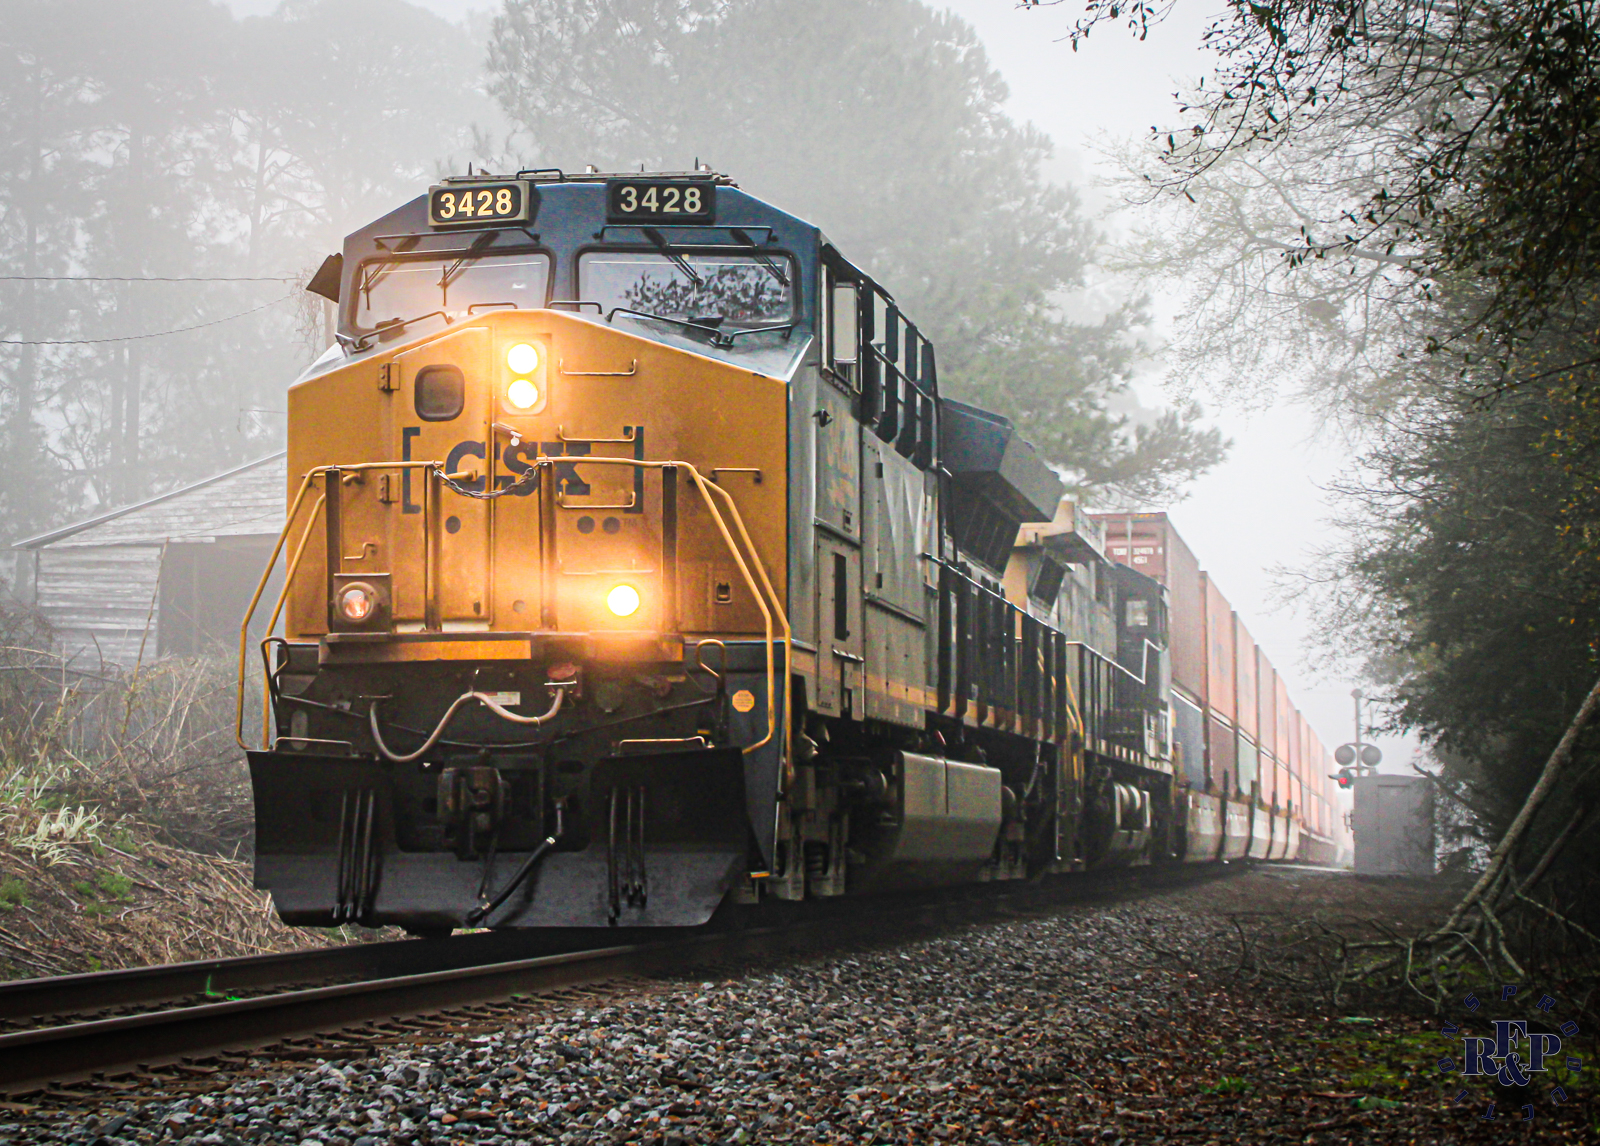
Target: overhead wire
137 337
149 278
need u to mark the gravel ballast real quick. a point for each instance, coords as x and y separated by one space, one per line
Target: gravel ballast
1097 1023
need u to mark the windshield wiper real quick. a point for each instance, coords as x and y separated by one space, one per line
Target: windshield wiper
471 255
667 249
721 339
386 329
786 327
718 339
759 256
372 276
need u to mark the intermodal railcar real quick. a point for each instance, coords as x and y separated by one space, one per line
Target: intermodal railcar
635 564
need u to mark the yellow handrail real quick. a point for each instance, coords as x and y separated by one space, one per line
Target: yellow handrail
768 602
277 611
788 635
255 599
272 561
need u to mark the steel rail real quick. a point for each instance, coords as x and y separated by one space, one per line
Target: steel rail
98 991
33 1058
30 1059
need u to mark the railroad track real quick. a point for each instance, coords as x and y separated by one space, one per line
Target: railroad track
193 1010
104 994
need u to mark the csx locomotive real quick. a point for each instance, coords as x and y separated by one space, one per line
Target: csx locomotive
635 564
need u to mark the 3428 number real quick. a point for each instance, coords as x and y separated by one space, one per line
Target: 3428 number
495 203
660 202
488 205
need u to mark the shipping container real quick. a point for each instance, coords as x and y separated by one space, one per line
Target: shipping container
1283 726
1219 650
1139 540
1149 543
1186 619
1319 763
1222 760
1247 765
1244 679
1266 704
1189 738
1296 745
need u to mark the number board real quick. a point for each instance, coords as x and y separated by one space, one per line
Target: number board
660 201
474 204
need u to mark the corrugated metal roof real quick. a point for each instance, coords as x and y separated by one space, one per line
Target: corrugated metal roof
238 502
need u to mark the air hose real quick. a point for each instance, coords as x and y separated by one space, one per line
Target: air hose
558 687
477 915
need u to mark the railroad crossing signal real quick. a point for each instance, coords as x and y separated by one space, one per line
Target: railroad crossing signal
1353 759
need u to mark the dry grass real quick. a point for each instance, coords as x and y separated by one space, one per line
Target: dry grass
155 743
125 816
103 907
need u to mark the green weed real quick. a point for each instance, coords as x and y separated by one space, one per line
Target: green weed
13 893
115 885
101 893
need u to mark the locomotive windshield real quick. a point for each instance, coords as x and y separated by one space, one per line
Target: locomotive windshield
730 306
392 290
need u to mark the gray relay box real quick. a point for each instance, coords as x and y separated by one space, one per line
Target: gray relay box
1393 825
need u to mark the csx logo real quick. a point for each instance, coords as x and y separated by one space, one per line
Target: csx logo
516 458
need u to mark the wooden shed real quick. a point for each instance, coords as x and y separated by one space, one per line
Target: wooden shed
170 575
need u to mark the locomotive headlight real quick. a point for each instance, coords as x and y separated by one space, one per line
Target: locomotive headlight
357 602
523 358
623 600
523 393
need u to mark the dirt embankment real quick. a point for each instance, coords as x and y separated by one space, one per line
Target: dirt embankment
125 814
93 904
